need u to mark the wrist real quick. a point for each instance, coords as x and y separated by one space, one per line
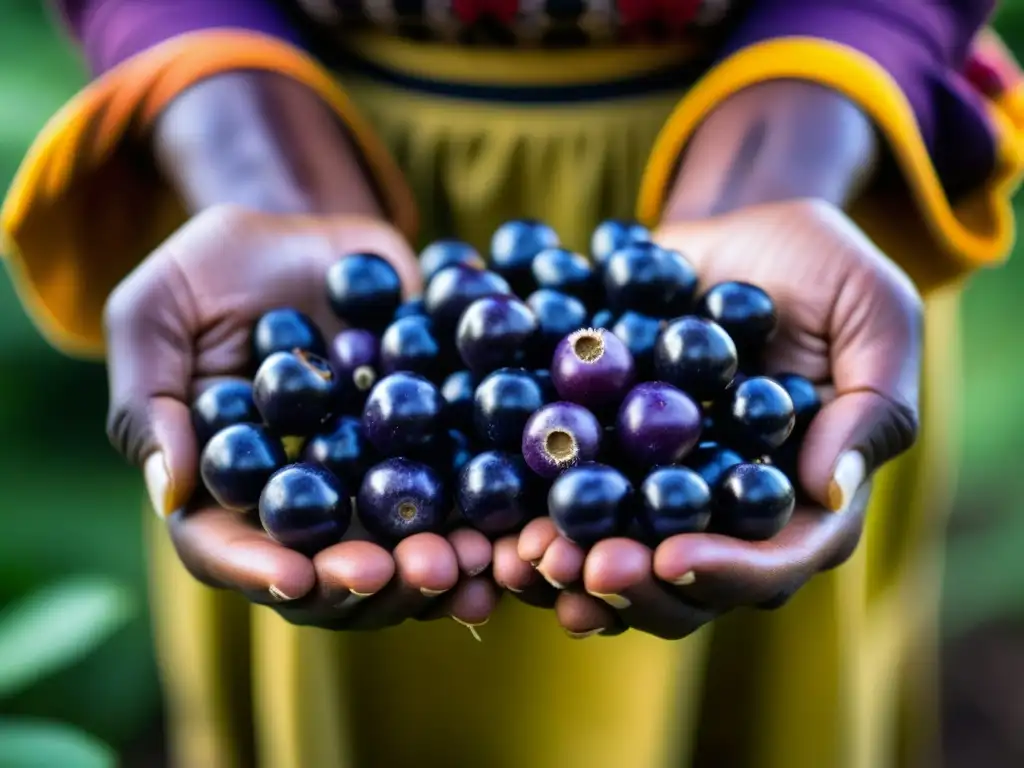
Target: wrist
264 142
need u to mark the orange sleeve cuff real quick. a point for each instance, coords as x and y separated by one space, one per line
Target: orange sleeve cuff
936 241
86 205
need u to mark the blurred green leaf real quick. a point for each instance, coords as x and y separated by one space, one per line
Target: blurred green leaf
28 743
56 626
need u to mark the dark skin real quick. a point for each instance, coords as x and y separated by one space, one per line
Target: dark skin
267 144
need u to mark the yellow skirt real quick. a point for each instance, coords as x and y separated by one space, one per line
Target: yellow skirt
842 677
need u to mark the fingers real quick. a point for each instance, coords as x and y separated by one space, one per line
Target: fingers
359 568
618 571
473 550
224 549
557 560
583 616
723 572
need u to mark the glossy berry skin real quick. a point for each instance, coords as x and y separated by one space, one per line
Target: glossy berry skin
513 246
237 462
592 367
342 449
493 493
285 330
364 290
355 360
445 253
697 356
603 318
403 414
295 392
649 279
502 405
806 402
410 308
746 313
222 404
657 424
547 385
591 502
672 500
458 390
457 450
612 234
456 287
409 344
558 436
639 333
399 498
752 502
711 461
558 315
306 508
562 270
494 332
755 415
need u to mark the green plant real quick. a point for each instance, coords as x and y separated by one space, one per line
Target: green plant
47 630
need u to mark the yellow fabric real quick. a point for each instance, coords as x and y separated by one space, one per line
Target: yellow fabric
85 205
950 240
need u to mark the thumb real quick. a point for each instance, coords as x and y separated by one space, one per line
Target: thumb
876 343
149 368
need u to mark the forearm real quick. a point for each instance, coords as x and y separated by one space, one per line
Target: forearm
775 141
263 141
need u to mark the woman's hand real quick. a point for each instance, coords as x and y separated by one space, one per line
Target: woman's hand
181 320
851 321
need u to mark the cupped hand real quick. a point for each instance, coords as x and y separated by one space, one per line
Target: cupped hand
851 321
183 319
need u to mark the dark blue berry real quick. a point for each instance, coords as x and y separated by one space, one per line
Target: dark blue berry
613 234
399 498
649 279
562 270
494 493
403 414
295 392
673 500
409 344
756 415
557 315
711 461
237 462
458 390
342 448
306 508
697 356
753 502
494 332
513 247
591 502
285 330
445 253
364 290
220 405
502 404
456 287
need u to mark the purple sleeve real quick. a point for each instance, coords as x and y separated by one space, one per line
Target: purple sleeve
923 45
111 31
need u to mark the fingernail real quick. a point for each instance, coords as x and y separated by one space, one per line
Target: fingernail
361 595
158 484
471 627
432 592
618 602
278 595
584 635
687 578
535 563
847 478
549 580
513 589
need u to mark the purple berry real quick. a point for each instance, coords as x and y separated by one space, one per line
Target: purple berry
502 405
355 357
756 415
445 253
458 390
220 405
657 424
513 247
342 449
237 462
409 344
305 507
295 392
592 367
697 356
285 330
753 502
647 278
494 493
557 316
591 502
673 500
562 270
399 498
403 414
456 287
364 290
613 234
493 333
559 436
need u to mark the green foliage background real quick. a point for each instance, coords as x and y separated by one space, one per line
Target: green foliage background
70 507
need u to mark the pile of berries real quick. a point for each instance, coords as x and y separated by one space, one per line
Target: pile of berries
608 393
